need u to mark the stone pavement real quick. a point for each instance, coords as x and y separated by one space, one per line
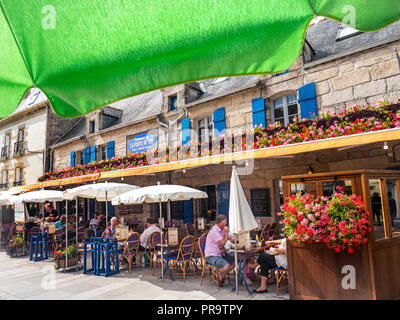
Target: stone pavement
23 280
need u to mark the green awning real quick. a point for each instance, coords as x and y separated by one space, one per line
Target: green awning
84 54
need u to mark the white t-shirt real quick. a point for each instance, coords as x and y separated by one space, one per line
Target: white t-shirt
281 259
146 233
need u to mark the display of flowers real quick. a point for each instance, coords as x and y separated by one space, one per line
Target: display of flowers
354 120
60 254
15 242
341 221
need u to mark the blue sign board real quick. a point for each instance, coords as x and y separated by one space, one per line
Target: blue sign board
141 143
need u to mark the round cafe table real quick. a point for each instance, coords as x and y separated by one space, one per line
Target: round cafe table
167 246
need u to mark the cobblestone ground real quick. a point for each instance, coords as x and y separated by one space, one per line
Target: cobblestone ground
22 279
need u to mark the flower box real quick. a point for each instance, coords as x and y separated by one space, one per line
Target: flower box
71 262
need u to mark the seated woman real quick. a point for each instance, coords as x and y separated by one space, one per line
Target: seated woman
275 257
61 223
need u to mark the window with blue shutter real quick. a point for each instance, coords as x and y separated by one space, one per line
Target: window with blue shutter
110 149
185 131
173 102
86 155
72 162
93 153
308 101
223 190
258 109
219 122
282 73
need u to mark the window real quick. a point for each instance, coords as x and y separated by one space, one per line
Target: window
285 109
4 184
80 158
204 130
329 187
376 206
5 151
18 176
173 101
208 206
303 188
19 145
102 154
346 32
92 126
393 207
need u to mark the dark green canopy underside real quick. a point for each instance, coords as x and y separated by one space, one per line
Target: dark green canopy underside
84 54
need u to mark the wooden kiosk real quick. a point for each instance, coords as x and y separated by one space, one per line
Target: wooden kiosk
317 272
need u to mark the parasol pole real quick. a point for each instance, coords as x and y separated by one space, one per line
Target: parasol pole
236 265
76 223
66 235
106 211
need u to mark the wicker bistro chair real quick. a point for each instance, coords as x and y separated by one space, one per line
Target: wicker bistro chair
58 239
265 232
280 274
131 249
204 265
183 257
272 232
190 229
155 239
81 234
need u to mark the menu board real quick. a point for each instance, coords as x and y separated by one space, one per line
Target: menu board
19 213
173 238
130 209
260 202
200 223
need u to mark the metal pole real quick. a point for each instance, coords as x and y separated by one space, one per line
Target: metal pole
106 211
236 265
76 224
66 235
162 245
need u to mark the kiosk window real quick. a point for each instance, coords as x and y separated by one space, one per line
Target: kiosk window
376 207
260 202
393 207
310 188
329 187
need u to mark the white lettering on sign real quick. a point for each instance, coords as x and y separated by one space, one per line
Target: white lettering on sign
349 281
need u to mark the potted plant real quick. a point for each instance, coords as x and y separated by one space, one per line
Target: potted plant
340 222
72 257
15 246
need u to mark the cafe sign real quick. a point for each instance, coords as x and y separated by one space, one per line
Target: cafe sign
140 143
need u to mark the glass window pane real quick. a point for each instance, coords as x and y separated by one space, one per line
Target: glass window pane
292 99
303 188
329 187
278 113
376 207
293 110
278 103
311 188
393 207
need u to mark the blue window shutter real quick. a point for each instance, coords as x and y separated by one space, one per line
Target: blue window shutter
185 131
110 149
223 191
86 155
219 122
258 109
92 208
93 153
111 210
174 100
282 73
308 101
187 211
72 162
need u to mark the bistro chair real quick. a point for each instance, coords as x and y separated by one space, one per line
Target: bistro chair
167 224
34 231
58 239
155 239
280 274
190 229
265 232
131 249
5 233
272 232
204 265
183 257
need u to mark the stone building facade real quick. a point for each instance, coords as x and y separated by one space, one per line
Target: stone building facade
330 74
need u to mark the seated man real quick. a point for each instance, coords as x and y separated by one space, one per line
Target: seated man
150 228
111 229
50 214
272 258
214 253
